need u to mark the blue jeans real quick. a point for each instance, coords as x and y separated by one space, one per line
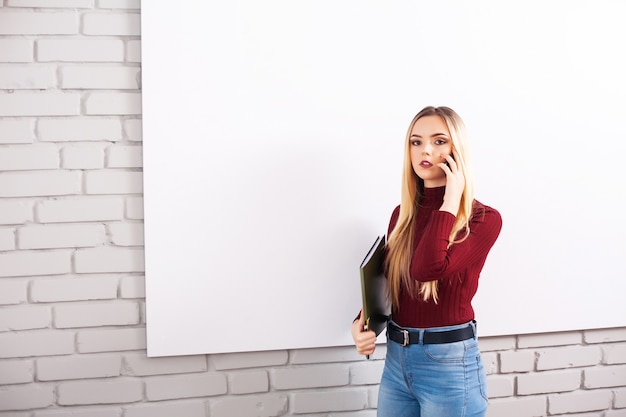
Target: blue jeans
435 380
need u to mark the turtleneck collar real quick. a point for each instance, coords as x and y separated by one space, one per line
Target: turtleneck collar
432 196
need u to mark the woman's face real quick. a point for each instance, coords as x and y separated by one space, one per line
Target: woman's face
429 143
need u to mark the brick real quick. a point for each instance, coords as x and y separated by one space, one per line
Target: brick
109 259
620 398
606 335
79 129
366 372
13 291
78 412
489 344
500 386
111 23
80 50
23 263
517 361
269 405
43 23
126 234
319 402
142 311
39 183
61 236
86 4
16 50
36 343
27 77
138 364
29 157
134 208
25 318
99 77
613 413
15 413
579 401
18 131
73 289
614 353
568 357
225 361
597 414
252 382
26 397
7 239
119 156
549 339
133 130
113 182
326 355
83 209
185 386
517 407
118 313
165 409
372 399
112 103
16 211
45 103
100 392
82 156
133 51
490 362
78 367
310 377
548 382
16 372
605 377
111 340
133 287
119 4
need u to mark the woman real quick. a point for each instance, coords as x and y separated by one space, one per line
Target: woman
439 238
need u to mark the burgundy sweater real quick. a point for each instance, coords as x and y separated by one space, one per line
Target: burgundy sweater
456 268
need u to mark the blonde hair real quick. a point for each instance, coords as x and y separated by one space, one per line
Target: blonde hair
400 242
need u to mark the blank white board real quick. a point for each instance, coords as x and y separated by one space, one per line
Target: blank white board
273 140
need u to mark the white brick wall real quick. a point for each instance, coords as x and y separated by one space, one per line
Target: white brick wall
72 320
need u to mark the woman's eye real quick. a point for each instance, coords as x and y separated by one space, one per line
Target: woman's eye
416 142
440 142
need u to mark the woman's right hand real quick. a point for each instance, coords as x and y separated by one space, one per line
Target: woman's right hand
365 340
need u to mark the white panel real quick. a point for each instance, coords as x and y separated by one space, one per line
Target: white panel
273 140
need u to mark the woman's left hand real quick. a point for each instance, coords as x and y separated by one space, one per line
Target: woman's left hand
455 184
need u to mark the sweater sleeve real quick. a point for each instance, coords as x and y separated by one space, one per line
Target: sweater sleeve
393 221
433 260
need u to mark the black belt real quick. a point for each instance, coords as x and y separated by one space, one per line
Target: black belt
406 337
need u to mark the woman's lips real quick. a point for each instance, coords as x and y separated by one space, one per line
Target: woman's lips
425 164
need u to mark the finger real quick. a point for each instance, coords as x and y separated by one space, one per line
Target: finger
366 352
366 344
445 167
366 347
451 160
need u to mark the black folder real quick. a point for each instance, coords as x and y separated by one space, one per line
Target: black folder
376 305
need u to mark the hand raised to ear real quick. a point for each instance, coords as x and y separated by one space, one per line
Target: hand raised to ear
455 183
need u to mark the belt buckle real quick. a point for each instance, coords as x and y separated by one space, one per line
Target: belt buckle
405 333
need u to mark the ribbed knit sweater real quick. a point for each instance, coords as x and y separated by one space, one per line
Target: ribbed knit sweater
456 268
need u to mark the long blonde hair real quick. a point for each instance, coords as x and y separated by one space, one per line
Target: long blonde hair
400 242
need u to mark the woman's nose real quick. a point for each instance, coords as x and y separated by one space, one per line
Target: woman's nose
427 150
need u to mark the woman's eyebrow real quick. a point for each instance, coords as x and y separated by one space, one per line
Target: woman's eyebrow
432 136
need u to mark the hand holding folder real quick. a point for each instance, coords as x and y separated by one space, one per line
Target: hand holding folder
376 305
